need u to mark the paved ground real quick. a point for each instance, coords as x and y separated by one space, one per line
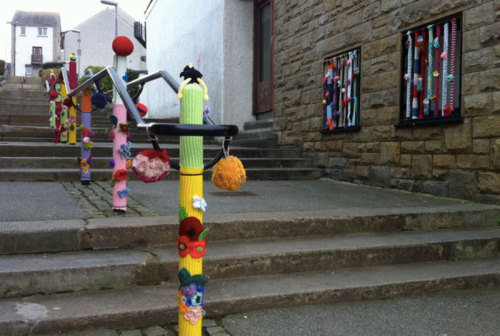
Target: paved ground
471 312
27 201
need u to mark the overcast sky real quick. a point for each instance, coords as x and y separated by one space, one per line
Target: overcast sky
72 13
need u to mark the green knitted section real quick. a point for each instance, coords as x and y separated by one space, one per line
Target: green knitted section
191 154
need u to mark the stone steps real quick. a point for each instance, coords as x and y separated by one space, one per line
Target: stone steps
100 174
22 275
144 306
120 272
46 149
138 232
103 162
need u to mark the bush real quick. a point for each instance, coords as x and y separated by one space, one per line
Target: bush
45 74
2 67
49 65
107 85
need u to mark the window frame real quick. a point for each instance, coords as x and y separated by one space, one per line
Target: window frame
23 31
455 118
44 31
356 128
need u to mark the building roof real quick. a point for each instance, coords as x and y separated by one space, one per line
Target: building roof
47 19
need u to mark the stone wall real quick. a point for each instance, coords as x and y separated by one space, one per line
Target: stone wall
461 160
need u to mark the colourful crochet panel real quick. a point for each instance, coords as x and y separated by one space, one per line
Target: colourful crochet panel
341 92
430 80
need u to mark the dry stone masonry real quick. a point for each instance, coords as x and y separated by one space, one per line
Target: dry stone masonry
459 160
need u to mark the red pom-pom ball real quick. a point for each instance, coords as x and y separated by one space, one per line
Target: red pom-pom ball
53 94
143 109
122 46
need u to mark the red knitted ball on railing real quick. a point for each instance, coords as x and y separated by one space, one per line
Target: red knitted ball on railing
122 46
53 94
143 109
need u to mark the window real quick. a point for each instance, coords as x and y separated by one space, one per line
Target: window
23 30
42 31
341 92
264 57
430 86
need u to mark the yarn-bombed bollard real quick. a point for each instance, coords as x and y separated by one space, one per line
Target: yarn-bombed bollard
191 207
73 83
86 137
122 46
63 129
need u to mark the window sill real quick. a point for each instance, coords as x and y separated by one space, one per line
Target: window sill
341 130
429 122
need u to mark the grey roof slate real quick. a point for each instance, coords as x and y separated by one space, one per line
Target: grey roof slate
46 19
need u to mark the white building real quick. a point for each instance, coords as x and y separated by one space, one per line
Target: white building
96 37
217 36
35 40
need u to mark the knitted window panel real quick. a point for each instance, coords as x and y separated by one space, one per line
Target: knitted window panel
430 84
341 83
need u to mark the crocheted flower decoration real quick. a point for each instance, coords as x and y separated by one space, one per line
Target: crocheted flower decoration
151 165
125 150
191 294
84 164
124 127
120 175
229 174
88 145
124 192
193 314
199 203
192 238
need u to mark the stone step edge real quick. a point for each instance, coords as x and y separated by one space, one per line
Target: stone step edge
117 232
157 305
40 273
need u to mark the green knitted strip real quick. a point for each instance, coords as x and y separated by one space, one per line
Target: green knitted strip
191 153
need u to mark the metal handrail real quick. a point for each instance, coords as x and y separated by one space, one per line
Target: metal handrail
159 74
120 88
162 128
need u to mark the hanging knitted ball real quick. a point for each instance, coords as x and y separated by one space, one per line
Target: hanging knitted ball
53 94
99 100
151 165
122 46
143 109
229 174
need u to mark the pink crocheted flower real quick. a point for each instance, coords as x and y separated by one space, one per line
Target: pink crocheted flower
193 314
151 166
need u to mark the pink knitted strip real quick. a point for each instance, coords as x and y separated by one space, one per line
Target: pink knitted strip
452 61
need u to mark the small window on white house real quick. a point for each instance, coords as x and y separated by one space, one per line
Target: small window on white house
42 31
23 30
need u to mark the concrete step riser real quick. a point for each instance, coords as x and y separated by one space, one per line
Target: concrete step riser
41 162
142 269
144 307
114 233
105 175
68 151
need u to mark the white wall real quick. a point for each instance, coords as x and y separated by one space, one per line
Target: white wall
217 37
238 62
97 34
178 33
24 44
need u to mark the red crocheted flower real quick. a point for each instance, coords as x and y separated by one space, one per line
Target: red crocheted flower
191 227
120 175
124 127
196 249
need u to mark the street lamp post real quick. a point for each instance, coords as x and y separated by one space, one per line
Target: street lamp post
113 3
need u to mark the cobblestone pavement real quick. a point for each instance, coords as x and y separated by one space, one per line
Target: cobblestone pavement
96 198
210 328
